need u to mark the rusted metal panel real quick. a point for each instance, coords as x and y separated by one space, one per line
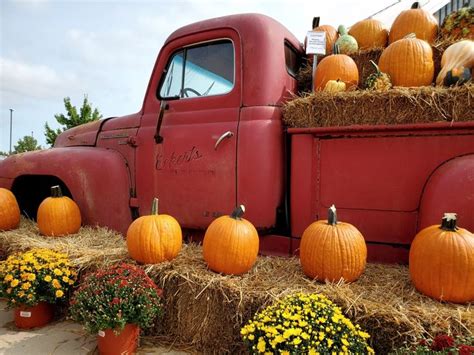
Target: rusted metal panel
377 180
260 169
450 189
97 179
83 135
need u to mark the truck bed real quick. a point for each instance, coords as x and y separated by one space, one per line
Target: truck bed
376 177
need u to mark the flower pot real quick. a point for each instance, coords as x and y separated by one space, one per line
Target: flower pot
27 317
123 343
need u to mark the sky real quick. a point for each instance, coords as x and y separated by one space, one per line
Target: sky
106 49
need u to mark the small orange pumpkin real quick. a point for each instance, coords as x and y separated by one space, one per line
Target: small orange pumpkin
231 244
9 210
154 238
441 261
58 215
336 66
409 62
369 33
415 20
332 250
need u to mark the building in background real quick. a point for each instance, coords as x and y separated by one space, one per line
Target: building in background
451 6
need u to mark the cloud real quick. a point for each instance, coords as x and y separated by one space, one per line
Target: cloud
35 81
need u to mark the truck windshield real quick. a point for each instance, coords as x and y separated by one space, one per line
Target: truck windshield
202 70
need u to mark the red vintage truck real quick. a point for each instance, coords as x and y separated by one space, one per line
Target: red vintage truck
210 135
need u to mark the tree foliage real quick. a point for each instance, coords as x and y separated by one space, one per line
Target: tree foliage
72 118
26 144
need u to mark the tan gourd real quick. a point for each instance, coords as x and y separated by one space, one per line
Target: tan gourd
459 54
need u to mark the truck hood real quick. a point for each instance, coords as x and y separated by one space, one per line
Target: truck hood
83 135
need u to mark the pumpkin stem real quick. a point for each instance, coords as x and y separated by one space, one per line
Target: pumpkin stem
238 212
377 69
56 191
154 206
332 215
335 49
448 223
416 5
315 22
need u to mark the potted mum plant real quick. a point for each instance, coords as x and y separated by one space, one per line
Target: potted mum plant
32 282
304 324
114 304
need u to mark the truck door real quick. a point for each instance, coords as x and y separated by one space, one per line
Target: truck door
190 165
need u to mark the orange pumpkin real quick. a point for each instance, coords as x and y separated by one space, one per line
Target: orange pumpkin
336 66
369 33
231 244
442 261
331 34
9 210
409 62
154 238
332 250
417 21
58 215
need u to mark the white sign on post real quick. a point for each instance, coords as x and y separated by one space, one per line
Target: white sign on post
316 42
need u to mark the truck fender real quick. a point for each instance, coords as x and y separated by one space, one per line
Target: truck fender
97 179
450 188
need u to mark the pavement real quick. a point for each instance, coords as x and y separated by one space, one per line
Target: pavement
58 338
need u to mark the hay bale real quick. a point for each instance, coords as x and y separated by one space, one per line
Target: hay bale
396 106
90 248
206 310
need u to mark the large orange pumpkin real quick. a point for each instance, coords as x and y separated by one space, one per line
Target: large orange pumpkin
442 261
369 33
409 62
336 66
154 238
415 20
9 210
231 244
58 215
332 250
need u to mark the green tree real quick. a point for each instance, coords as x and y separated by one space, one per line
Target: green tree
26 144
71 119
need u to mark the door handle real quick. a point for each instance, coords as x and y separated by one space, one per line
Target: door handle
227 134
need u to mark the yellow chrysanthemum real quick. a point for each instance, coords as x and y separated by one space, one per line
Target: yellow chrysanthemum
31 277
14 283
261 345
59 293
47 278
56 283
8 278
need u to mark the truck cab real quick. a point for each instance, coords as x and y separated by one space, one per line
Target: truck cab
208 136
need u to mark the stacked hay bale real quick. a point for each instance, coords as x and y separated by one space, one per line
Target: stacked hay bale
396 106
